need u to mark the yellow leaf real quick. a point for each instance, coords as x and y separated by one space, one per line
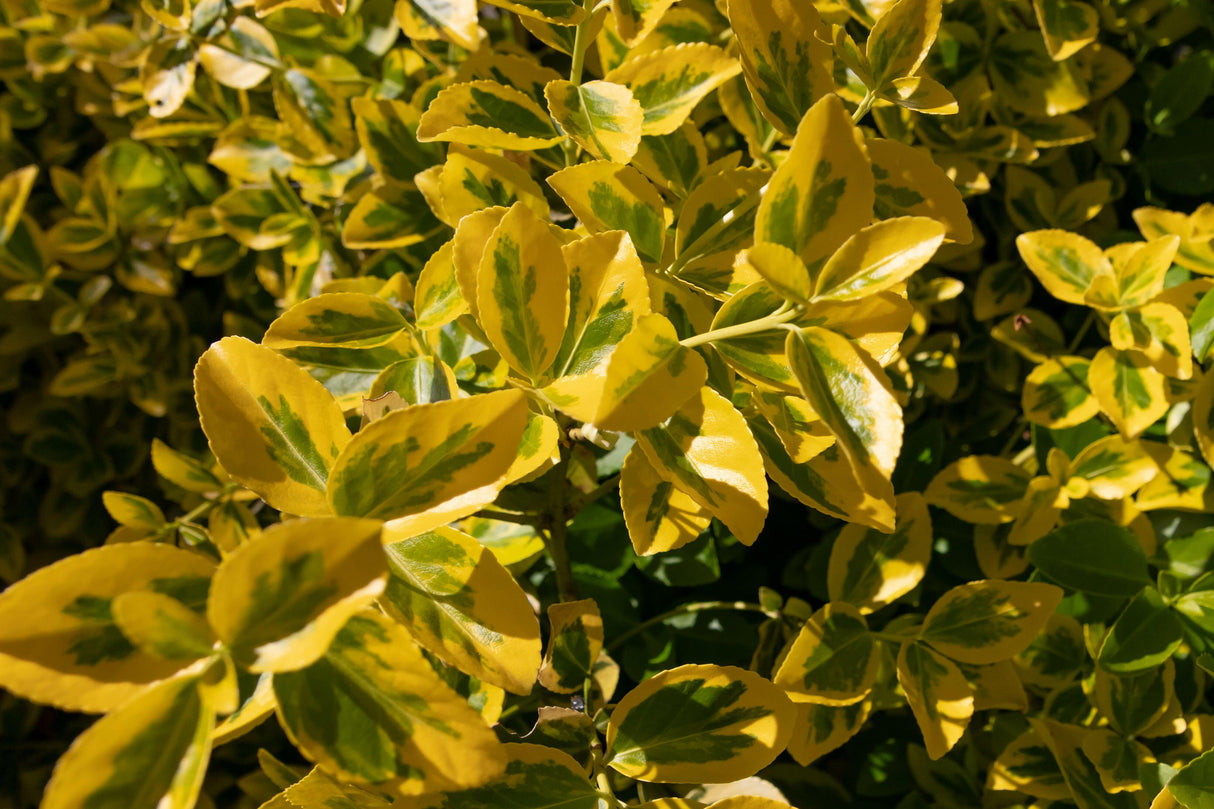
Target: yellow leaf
59 644
778 266
1140 268
473 179
870 569
452 20
659 516
1070 267
468 250
274 428
910 183
1114 468
522 291
901 38
1067 26
798 427
707 450
939 697
162 625
823 192
279 599
1159 331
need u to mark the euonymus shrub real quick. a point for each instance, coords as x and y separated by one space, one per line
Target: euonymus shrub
538 312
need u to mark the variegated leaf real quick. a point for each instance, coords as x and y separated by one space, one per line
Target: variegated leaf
668 83
982 489
939 696
984 622
601 117
486 113
660 517
1056 393
347 319
878 257
1129 390
574 642
608 196
833 660
869 568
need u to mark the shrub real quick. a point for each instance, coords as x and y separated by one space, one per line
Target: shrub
604 401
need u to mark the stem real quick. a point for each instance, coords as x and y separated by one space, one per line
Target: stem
508 516
1083 330
776 319
578 503
557 532
865 105
890 637
685 609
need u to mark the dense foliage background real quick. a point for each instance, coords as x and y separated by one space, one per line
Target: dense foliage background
857 345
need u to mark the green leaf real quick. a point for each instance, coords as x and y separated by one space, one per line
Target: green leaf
1092 556
1193 786
574 642
273 427
151 753
1067 26
1028 79
390 718
1180 93
486 113
823 192
1146 634
458 602
387 131
669 82
601 117
833 660
282 596
417 458
698 723
608 196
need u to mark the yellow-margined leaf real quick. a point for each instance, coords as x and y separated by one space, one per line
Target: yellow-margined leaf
1038 512
1140 268
452 20
717 218
785 55
280 598
387 131
473 179
922 94
798 427
1116 759
648 377
820 729
557 12
574 642
1183 481
608 295
660 517
244 57
438 299
1195 252
675 162
939 696
608 196
1029 81
1056 393
984 622
780 267
182 470
468 250
391 720
345 319
900 39
1055 657
851 394
1129 390
315 112
1027 765
696 724
389 217
601 117
1114 468
1067 26
878 257
636 19
996 686
1069 267
522 292
458 602
151 753
833 660
1081 776
535 776
419 457
59 644
823 191
485 113
133 510
870 569
14 191
1203 416
668 83
318 790
908 182
982 489
1161 332
161 625
725 474
274 428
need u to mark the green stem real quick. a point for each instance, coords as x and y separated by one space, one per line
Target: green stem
557 532
1083 330
773 321
890 637
865 105
578 503
685 609
516 517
